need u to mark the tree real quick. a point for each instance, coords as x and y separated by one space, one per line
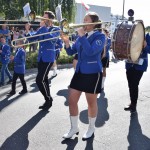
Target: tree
13 9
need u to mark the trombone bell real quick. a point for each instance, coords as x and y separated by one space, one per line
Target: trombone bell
32 16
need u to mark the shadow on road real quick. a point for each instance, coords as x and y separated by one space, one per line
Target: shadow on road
89 143
71 143
102 115
137 140
50 79
35 88
5 102
64 93
19 139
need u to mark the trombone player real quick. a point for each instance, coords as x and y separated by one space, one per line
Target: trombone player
46 56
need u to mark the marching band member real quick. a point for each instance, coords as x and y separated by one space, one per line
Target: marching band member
51 28
5 59
19 68
88 74
46 57
105 56
134 73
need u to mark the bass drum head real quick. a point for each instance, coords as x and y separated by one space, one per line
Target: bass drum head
137 40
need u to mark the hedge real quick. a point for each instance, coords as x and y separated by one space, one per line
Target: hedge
31 60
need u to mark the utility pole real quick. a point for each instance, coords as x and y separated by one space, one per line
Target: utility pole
123 9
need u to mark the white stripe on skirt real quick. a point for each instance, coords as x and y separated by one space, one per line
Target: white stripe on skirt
97 83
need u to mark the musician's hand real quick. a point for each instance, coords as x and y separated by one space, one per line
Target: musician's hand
65 38
0 51
81 31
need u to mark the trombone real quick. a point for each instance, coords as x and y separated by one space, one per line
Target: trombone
65 27
31 18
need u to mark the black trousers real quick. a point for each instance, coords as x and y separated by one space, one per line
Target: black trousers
21 77
42 79
133 77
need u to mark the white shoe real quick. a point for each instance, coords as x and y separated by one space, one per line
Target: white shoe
71 133
74 127
89 133
91 129
54 74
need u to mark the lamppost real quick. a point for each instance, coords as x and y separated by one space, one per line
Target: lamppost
123 9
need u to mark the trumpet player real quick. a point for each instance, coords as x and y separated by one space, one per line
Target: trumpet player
88 74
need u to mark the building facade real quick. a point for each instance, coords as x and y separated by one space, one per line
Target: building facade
103 12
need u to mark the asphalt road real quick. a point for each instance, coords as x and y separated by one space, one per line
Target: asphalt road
24 127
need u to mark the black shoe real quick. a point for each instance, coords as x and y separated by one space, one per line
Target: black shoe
11 93
130 108
10 81
23 92
46 105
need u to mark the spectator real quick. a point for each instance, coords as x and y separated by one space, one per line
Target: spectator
5 32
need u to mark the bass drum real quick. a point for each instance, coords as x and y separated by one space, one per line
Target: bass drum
128 40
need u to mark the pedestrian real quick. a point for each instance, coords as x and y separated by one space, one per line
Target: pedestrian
5 59
88 74
46 57
134 73
58 48
19 68
105 56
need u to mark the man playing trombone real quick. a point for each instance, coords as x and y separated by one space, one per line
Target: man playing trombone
46 57
59 43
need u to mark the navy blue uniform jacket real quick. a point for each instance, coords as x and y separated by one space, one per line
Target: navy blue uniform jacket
47 48
89 52
19 61
5 55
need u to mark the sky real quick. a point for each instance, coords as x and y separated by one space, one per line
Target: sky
141 8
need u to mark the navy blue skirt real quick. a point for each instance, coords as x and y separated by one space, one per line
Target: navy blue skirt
88 83
105 62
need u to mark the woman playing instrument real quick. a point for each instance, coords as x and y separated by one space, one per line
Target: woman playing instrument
134 73
88 74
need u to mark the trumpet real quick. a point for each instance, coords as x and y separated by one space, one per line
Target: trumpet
65 27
